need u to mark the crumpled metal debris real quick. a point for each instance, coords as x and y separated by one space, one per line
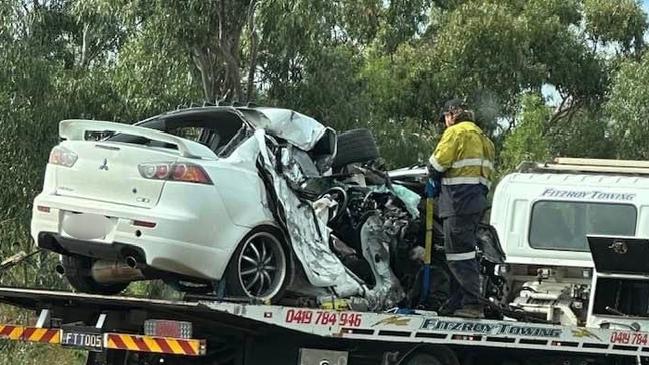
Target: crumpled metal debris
309 233
297 129
376 243
409 198
306 225
297 166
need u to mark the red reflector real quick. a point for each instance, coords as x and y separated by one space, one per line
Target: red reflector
144 224
43 209
166 328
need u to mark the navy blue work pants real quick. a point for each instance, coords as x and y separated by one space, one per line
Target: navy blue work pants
460 245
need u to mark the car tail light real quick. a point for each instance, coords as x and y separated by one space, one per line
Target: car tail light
184 171
166 328
62 156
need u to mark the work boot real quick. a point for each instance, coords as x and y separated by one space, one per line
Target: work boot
470 311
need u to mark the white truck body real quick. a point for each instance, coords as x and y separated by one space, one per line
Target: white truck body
543 214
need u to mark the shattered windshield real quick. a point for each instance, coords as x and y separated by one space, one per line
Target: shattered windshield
563 225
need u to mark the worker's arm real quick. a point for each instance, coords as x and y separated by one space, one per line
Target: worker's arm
443 156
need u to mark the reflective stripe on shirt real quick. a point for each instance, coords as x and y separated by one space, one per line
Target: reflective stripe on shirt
466 180
435 164
460 256
471 162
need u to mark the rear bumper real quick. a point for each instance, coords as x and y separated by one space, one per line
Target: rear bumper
181 242
68 246
173 258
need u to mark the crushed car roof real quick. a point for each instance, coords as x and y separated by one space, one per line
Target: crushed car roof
296 128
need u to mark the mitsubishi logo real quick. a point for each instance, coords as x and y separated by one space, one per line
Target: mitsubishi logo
104 166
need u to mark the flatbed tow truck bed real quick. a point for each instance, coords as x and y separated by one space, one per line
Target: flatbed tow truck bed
128 330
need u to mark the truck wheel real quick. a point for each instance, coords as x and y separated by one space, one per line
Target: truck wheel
77 271
430 355
260 267
356 145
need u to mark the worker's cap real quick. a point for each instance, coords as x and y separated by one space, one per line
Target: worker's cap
451 105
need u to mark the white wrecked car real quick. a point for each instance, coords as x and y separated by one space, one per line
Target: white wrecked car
183 197
177 196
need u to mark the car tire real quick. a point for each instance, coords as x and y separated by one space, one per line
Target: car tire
260 268
77 272
355 145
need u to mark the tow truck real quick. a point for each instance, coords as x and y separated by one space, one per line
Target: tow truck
215 330
129 330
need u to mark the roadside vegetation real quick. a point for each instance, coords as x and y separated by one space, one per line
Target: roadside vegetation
546 78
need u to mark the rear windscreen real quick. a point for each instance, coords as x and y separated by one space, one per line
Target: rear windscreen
221 134
563 225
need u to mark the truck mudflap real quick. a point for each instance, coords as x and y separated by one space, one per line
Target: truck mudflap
104 341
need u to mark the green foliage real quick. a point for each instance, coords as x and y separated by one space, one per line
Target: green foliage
621 21
585 135
527 142
402 19
628 109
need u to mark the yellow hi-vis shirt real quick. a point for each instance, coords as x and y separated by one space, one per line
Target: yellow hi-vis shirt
464 155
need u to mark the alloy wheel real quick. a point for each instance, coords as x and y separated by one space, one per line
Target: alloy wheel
262 266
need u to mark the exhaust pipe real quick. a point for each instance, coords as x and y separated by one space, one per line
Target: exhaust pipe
131 262
110 272
59 269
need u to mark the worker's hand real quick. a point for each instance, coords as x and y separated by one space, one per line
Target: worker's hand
432 188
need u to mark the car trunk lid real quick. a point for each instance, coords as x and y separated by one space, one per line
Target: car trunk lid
109 172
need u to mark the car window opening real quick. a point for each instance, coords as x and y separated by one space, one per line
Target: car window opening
216 131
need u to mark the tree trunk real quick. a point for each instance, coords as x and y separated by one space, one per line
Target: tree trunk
201 62
254 42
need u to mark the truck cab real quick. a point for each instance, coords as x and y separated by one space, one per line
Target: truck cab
543 213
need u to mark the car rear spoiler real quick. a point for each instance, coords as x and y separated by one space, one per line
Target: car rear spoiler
75 130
